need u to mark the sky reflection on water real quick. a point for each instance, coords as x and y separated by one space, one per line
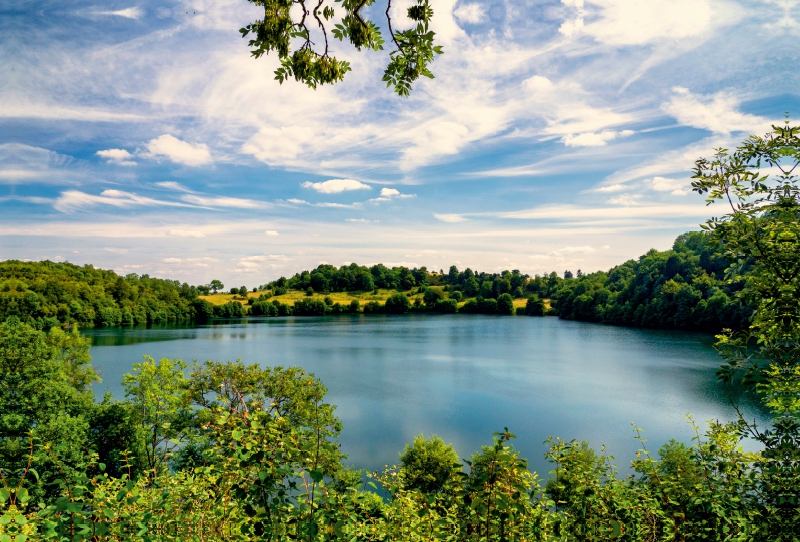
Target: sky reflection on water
463 377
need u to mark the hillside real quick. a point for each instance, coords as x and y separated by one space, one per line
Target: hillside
46 294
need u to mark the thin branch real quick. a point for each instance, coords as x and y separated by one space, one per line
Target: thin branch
389 21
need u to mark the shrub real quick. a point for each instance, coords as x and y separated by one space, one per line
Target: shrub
373 307
309 307
354 305
427 464
505 304
446 306
534 306
397 304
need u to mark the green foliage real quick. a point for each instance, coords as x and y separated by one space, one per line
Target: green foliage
683 288
534 306
415 48
505 304
397 304
47 294
236 452
427 464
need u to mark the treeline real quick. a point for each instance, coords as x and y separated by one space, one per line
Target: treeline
358 278
682 288
47 294
229 452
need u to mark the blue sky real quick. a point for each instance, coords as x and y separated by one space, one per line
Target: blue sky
141 136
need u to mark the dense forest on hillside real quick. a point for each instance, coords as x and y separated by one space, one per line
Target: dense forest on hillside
683 288
46 294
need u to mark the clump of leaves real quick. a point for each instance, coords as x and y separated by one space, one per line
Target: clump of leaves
314 64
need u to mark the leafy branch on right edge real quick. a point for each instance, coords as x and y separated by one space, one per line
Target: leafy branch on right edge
302 39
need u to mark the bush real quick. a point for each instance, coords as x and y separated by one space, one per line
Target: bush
262 307
534 306
397 304
203 310
373 307
505 304
449 306
456 295
354 305
231 309
470 307
487 306
427 464
309 307
431 297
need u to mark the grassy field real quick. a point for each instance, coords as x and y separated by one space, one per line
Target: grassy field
343 298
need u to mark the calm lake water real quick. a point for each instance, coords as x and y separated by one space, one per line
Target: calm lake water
463 377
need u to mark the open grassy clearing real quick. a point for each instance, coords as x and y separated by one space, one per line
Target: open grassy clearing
343 298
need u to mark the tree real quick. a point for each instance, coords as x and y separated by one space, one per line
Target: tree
761 236
568 274
414 48
216 285
427 464
505 304
162 408
397 304
243 291
431 296
534 306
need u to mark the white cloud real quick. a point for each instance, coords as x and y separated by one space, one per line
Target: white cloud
449 217
625 199
114 250
716 113
335 186
221 201
612 188
71 200
574 25
387 194
186 233
677 187
593 139
128 13
179 151
117 156
172 260
277 145
470 13
576 250
172 185
271 233
636 22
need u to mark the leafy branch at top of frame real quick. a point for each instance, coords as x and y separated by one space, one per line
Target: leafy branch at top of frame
315 65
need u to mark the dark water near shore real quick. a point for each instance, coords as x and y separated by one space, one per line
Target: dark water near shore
463 377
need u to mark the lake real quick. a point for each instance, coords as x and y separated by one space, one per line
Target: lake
463 377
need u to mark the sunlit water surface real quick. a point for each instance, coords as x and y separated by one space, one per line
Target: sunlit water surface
463 377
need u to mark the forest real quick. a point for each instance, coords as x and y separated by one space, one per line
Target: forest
681 288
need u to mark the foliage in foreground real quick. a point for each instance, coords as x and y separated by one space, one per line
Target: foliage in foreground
234 452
